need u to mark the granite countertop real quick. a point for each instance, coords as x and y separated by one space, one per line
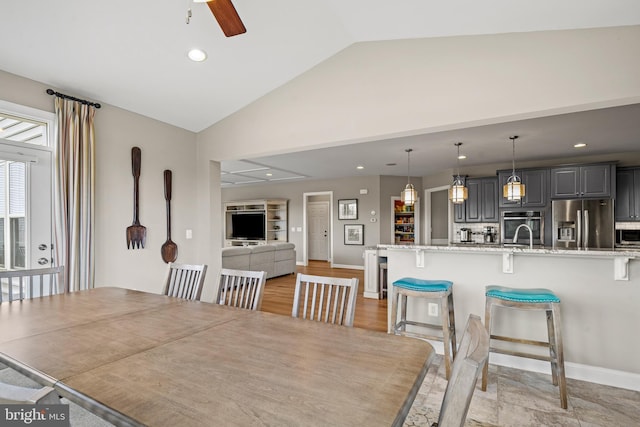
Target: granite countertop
537 250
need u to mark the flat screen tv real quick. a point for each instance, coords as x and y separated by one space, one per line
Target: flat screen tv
248 226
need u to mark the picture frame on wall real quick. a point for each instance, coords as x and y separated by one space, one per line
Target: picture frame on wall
354 234
348 209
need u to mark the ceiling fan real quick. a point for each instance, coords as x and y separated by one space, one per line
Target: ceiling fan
226 15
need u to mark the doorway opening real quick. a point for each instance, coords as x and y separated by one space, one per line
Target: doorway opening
438 216
26 187
318 226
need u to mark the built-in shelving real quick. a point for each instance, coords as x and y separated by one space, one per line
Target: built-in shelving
405 222
274 216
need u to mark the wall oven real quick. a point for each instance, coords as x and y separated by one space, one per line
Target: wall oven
510 220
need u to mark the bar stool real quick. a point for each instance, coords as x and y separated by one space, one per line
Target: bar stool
440 290
530 299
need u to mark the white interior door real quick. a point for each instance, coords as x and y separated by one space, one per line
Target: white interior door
318 217
25 206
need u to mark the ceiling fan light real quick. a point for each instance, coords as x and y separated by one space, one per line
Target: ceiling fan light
409 195
197 55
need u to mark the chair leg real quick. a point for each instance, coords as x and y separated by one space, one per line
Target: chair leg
487 325
553 352
403 313
395 299
562 381
446 335
452 325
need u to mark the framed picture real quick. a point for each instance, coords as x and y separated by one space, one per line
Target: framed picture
354 234
348 209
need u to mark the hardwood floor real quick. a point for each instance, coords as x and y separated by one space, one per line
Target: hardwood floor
278 295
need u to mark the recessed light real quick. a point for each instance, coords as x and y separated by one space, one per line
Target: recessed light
462 157
580 145
391 164
359 167
197 55
269 174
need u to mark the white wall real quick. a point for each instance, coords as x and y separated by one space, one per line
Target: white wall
163 147
402 87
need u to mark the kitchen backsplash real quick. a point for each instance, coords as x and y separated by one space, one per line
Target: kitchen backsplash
477 234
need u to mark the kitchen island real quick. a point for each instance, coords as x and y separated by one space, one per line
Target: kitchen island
599 290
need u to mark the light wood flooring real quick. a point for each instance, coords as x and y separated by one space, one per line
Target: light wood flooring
278 295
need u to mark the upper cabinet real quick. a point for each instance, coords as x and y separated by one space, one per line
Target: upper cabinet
628 194
536 183
572 182
482 204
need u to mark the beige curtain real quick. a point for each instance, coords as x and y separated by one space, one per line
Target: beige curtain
74 199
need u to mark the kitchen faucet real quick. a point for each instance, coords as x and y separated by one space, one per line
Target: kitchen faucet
515 235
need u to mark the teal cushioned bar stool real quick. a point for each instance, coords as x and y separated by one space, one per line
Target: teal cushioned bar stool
530 299
440 290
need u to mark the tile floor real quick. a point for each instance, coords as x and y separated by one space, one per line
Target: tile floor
520 398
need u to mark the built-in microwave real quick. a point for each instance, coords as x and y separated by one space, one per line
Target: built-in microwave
511 220
628 238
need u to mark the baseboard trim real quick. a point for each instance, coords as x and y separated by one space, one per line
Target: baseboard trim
351 267
576 371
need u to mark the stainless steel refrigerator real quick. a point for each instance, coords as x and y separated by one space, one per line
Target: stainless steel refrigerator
583 224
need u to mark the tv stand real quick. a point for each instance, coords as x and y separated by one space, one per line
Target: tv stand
275 226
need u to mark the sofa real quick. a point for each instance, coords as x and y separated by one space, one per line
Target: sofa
277 259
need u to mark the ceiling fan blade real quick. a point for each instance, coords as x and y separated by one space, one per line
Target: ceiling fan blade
227 17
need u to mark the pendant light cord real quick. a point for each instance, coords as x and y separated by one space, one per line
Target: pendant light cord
513 155
408 150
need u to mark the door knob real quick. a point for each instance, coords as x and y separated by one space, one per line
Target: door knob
43 261
42 246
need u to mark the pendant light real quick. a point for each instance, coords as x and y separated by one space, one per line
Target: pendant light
409 194
514 188
458 193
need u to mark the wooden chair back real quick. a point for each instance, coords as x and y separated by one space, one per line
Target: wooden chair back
325 299
472 353
31 283
185 281
241 288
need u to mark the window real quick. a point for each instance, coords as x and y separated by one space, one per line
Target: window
12 215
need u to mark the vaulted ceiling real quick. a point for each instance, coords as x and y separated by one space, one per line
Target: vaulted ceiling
133 54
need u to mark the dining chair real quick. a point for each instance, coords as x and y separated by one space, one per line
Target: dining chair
185 281
241 288
17 395
467 365
31 283
325 299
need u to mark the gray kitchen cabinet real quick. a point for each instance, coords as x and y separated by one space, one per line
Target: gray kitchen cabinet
628 194
571 182
482 203
536 193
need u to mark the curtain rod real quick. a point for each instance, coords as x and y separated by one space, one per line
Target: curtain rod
73 98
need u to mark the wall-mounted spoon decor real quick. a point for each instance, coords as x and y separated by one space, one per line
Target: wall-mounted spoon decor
169 249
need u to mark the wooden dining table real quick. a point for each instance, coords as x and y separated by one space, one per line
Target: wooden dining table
137 358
